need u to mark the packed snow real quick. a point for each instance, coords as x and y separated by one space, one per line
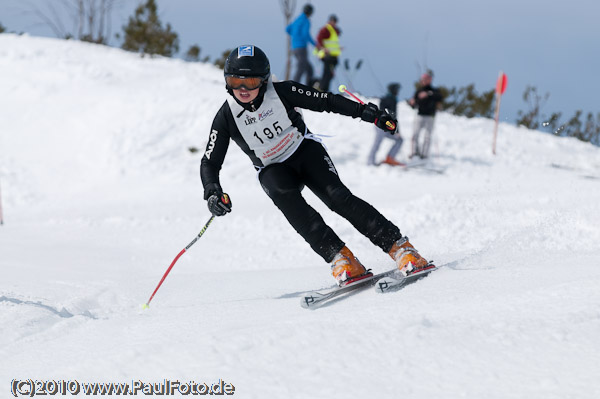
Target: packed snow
100 192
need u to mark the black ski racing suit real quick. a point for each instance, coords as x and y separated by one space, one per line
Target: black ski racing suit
306 164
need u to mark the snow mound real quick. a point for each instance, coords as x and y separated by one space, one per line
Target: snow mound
100 192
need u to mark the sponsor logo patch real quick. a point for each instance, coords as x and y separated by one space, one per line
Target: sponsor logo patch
330 163
265 114
309 93
246 51
249 120
211 144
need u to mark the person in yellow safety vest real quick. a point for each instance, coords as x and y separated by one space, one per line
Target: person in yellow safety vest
328 50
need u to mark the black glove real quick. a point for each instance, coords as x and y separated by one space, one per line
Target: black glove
370 113
382 119
219 205
386 122
212 188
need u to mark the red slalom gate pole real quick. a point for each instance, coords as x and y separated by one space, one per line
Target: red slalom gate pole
500 89
147 304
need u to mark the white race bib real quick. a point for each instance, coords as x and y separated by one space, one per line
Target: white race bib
269 131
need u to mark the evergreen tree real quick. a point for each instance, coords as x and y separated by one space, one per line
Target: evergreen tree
220 62
588 131
144 33
573 126
2 29
467 102
193 54
531 118
553 123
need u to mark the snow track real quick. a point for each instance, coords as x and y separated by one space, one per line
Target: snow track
100 193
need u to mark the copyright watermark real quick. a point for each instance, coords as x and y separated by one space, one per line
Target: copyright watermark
31 388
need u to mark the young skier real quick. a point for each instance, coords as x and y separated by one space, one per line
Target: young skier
260 116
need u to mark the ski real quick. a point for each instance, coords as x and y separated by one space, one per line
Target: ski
422 164
415 163
395 281
314 299
409 164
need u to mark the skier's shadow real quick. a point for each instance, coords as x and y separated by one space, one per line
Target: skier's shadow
63 313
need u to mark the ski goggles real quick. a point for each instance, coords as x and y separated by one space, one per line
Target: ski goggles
251 83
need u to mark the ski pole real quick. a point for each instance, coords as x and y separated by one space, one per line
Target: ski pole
344 89
147 304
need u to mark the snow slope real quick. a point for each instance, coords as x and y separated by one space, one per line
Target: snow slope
100 192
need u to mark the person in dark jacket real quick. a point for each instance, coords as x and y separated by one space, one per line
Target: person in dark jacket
426 99
389 102
299 30
262 118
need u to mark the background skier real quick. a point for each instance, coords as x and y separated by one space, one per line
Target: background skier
389 102
426 100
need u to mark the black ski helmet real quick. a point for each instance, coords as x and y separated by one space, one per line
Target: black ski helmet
247 61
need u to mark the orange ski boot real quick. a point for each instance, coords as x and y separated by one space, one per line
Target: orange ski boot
346 269
407 258
391 161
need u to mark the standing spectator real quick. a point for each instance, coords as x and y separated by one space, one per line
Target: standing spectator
426 99
389 103
329 50
299 30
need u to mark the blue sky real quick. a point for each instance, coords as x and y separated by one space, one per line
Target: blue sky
553 46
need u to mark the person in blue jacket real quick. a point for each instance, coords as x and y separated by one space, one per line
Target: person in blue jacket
299 30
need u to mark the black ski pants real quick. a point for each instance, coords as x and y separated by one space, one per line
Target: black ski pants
312 167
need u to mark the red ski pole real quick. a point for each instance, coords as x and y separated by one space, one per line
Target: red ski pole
344 89
147 304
